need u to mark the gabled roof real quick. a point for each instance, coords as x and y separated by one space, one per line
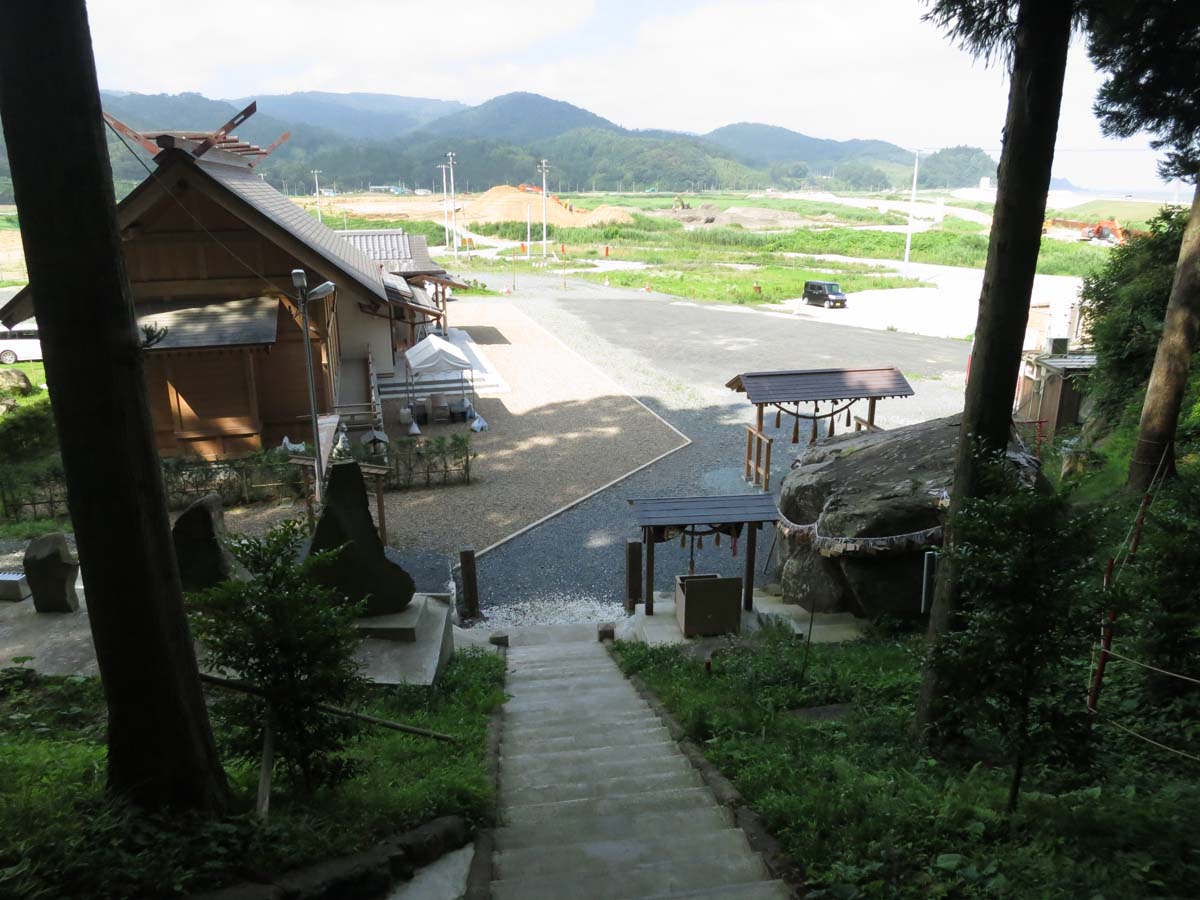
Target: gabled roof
727 510
808 385
398 251
231 176
235 323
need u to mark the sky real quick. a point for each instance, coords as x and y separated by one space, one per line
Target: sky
845 69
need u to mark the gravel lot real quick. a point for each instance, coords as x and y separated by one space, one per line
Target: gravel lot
676 358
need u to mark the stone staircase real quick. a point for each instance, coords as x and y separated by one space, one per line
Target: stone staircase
596 800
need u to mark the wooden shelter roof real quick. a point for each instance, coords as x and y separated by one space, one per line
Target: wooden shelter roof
191 326
727 510
399 252
809 385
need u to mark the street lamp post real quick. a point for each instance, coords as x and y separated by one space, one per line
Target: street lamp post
316 174
304 296
912 207
543 167
445 208
453 204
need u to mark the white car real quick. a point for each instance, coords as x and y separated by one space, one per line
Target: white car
19 344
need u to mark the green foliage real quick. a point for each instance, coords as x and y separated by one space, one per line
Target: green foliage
955 167
28 529
62 838
294 641
1020 630
866 815
1125 302
857 176
28 430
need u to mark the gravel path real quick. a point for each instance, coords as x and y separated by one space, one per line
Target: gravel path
676 358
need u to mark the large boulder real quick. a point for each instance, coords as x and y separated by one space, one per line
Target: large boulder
14 381
364 568
51 570
200 546
878 500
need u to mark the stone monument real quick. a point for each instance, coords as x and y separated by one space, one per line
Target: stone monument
51 572
199 536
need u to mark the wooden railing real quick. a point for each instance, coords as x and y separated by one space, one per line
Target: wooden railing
758 469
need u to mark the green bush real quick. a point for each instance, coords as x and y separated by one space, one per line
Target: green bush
1019 557
292 640
27 430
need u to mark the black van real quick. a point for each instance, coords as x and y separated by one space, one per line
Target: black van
824 293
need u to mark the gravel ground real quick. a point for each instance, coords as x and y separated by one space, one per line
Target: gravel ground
676 358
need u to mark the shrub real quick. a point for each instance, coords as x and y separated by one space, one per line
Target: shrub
1019 556
294 642
27 430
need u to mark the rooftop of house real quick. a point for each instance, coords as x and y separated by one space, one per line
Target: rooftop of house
396 250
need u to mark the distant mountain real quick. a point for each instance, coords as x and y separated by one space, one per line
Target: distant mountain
356 115
518 118
758 145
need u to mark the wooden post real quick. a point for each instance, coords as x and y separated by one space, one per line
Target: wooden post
466 562
749 451
748 581
871 413
648 537
380 509
767 472
633 574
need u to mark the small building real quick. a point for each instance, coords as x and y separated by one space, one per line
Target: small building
210 248
1050 390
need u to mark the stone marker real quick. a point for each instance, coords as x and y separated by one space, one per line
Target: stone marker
199 536
606 631
14 381
51 572
363 569
498 638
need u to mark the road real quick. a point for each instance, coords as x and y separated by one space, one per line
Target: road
676 358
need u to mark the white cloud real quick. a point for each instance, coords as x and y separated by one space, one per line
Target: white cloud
850 69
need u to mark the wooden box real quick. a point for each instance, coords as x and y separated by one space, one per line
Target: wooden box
708 605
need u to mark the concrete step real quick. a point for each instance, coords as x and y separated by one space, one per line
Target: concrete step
546 716
630 753
557 652
594 857
757 890
566 726
623 784
604 695
568 690
550 835
518 742
522 675
598 772
567 812
624 881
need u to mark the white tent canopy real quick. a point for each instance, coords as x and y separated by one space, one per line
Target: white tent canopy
435 354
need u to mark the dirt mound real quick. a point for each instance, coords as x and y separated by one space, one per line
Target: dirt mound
509 204
609 215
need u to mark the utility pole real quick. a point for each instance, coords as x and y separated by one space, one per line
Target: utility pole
453 204
528 235
912 205
316 174
445 208
543 167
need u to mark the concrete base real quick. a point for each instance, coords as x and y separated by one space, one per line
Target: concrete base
417 661
14 587
662 627
441 880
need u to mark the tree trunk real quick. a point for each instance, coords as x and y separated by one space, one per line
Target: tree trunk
160 746
1154 452
1043 34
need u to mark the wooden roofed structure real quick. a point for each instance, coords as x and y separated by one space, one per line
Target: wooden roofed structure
791 389
664 518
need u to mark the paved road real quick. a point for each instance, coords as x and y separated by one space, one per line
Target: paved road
676 357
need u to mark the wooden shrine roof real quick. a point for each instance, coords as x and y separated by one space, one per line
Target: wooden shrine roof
809 385
676 511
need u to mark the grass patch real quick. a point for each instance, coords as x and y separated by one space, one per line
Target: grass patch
35 371
9 223
867 815
815 209
28 529
60 837
716 283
